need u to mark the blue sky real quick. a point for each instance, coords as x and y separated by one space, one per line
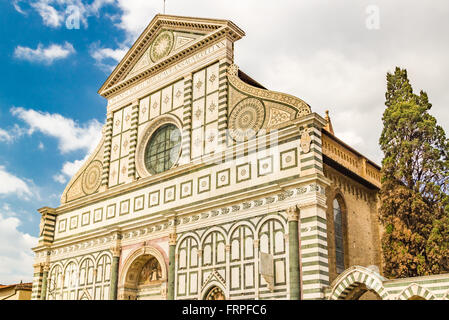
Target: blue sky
328 53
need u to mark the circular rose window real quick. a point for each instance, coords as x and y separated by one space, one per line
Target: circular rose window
162 150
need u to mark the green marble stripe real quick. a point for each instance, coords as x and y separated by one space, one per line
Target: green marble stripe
313 254
313 158
314 228
315 281
314 237
307 291
315 263
313 219
314 245
311 167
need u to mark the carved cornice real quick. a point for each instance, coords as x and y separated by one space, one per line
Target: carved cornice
214 27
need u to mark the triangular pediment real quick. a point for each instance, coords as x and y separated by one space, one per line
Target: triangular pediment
164 44
165 39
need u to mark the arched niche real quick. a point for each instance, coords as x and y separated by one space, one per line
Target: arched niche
143 276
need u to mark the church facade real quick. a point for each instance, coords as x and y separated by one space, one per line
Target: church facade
206 185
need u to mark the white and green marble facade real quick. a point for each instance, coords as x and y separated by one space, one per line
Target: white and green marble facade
227 200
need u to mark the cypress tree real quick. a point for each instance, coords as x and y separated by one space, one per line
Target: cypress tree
414 197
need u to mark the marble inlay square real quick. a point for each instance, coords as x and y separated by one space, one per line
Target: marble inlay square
178 94
153 198
113 173
212 107
125 143
186 189
62 225
85 218
198 113
117 122
265 166
115 147
223 178
211 138
110 211
243 172
98 215
144 109
212 78
169 194
155 105
123 173
124 207
197 142
73 222
138 203
198 84
166 99
204 183
127 118
289 159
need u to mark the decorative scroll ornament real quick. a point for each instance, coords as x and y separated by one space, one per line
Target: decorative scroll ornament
92 177
246 119
161 46
302 108
306 140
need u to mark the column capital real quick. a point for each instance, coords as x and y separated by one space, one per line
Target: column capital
172 237
116 250
45 266
292 213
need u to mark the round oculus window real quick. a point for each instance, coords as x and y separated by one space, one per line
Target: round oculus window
162 150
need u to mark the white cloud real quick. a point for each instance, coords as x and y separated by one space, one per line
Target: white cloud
69 169
16 256
44 55
10 184
55 12
136 15
11 134
49 14
5 136
59 178
103 55
70 135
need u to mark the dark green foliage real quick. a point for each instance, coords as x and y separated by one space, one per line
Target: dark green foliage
414 194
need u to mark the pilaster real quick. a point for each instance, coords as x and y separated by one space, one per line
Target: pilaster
187 120
293 251
313 239
172 238
107 152
133 140
223 102
116 252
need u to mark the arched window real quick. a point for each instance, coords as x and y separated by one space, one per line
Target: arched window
338 232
